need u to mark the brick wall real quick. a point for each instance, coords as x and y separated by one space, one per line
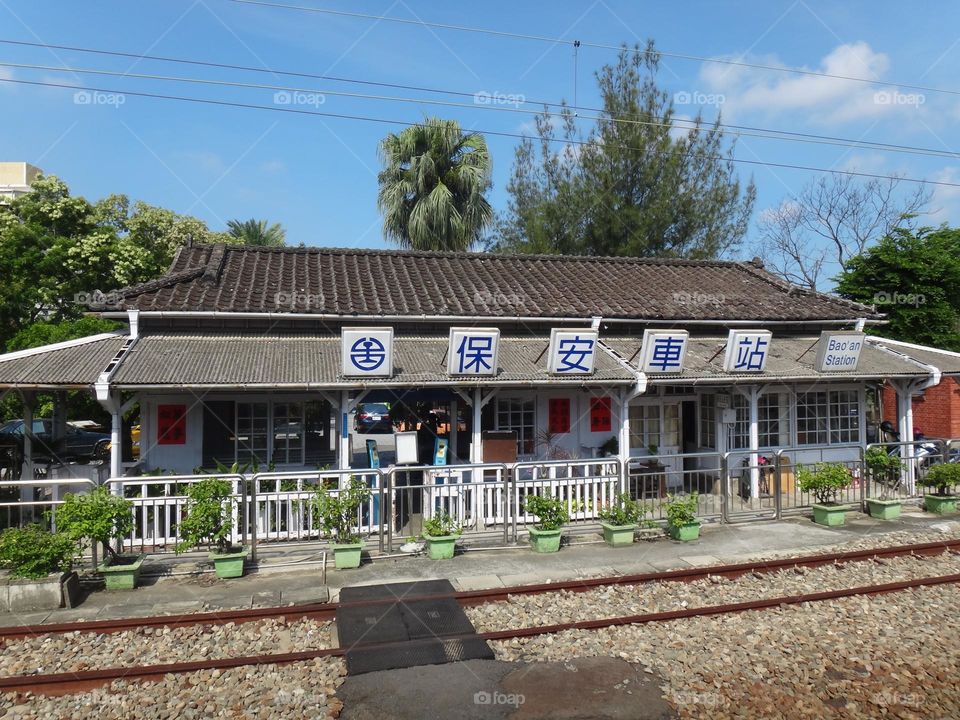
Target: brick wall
937 413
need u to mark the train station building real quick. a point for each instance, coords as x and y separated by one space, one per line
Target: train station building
261 356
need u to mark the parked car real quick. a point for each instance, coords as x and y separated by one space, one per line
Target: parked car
373 417
76 444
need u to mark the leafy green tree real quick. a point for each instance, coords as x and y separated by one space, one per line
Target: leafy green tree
95 517
257 232
433 186
914 278
636 184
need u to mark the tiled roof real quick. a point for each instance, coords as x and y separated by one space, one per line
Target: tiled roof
947 362
72 365
790 358
297 360
345 282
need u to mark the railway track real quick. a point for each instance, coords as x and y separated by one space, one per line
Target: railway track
73 682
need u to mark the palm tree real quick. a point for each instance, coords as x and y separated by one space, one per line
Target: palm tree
257 232
432 186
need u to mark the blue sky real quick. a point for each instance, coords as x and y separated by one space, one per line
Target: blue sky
318 175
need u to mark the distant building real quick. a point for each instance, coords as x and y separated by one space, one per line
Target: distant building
16 178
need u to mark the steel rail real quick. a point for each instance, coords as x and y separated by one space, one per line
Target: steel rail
327 611
73 682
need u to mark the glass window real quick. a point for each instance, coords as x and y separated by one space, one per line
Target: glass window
252 435
708 421
316 438
287 433
812 418
773 410
844 416
518 414
644 426
740 431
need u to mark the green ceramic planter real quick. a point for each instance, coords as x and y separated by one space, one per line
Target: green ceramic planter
545 541
618 535
122 575
347 556
883 509
686 532
229 565
830 515
440 547
940 504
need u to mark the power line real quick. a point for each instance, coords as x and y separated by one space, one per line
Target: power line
602 46
741 130
494 133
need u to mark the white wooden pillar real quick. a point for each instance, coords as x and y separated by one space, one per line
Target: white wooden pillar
345 455
754 397
116 442
476 444
905 426
27 470
623 440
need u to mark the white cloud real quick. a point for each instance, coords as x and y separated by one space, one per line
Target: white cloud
826 100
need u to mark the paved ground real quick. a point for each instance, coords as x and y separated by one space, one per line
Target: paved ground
589 688
293 573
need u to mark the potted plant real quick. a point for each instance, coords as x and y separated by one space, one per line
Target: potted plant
94 519
682 523
209 522
825 481
39 562
338 513
942 477
619 520
440 533
552 515
882 468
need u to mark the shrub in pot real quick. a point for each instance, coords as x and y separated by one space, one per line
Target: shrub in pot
338 513
440 533
942 478
95 519
209 522
552 515
825 481
883 469
682 523
620 518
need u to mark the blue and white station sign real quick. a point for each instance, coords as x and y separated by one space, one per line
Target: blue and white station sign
473 351
572 352
839 351
747 350
367 352
663 351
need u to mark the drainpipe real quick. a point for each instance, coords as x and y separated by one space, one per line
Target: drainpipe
476 444
626 395
754 398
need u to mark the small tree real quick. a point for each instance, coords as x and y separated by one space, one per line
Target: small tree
209 519
825 481
337 512
550 511
35 552
682 510
942 478
96 517
441 524
882 466
623 511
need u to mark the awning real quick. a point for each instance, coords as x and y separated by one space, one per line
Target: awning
947 362
252 361
69 365
790 359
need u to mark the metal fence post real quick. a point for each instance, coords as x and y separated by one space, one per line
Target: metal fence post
863 481
505 471
778 484
724 488
387 506
383 512
252 517
515 501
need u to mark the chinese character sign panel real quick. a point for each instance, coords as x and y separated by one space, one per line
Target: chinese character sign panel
839 351
171 424
601 419
559 412
663 351
747 350
572 352
473 351
367 352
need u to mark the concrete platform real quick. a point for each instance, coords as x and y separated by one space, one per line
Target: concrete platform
292 574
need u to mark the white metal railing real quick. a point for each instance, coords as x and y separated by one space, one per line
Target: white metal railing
587 486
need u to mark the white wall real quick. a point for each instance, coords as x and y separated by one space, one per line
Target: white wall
181 459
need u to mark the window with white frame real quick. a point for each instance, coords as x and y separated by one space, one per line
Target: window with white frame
253 419
844 416
708 421
773 415
518 414
739 437
813 418
287 433
644 426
